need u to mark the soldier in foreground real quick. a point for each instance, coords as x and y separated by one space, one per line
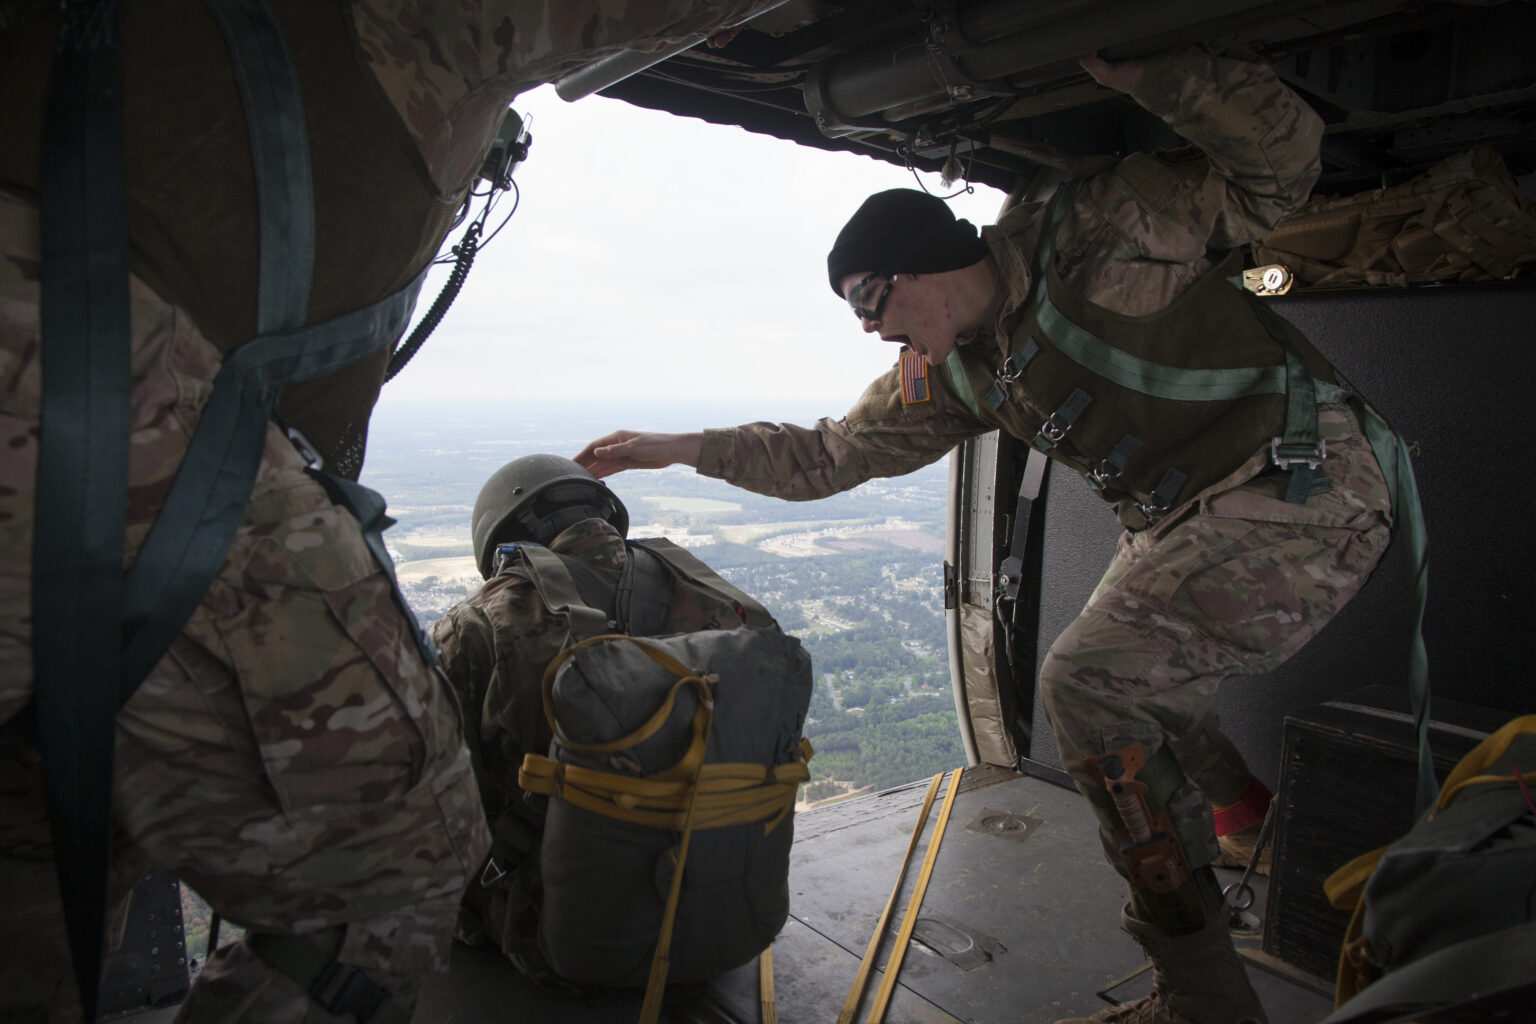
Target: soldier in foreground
497 644
287 748
1101 330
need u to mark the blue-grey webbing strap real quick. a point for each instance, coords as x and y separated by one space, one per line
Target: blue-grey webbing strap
285 195
206 504
207 501
82 465
1408 527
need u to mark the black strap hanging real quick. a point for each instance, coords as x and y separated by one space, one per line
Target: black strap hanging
82 467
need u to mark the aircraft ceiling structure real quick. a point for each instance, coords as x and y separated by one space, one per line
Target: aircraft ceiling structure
995 89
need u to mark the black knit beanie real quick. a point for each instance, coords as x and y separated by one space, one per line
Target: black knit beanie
903 231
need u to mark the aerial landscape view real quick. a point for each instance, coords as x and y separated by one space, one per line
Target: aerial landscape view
857 577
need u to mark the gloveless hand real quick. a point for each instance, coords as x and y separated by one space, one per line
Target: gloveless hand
633 449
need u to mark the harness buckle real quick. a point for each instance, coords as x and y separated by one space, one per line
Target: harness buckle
307 451
1288 456
1103 474
1009 372
491 873
1152 511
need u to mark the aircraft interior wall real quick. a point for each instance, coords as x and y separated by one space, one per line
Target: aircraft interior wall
1451 369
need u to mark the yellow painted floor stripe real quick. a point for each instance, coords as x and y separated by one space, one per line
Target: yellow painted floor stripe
909 922
765 986
856 993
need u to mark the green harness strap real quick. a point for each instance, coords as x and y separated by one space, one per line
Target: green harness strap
1297 450
960 383
1408 525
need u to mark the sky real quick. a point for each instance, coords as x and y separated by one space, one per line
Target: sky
658 259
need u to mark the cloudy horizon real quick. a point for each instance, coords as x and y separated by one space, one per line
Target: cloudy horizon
656 259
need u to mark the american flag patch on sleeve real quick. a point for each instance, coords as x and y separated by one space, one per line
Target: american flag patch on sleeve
914 379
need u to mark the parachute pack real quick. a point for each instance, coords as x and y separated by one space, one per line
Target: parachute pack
669 789
1447 912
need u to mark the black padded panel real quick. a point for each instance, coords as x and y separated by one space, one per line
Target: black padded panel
1451 369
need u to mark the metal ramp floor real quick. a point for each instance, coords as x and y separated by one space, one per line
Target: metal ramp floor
1019 926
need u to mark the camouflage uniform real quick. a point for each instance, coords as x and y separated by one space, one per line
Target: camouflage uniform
292 756
1234 580
494 648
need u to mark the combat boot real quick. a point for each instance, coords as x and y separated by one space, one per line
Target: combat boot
1238 826
1197 979
1237 849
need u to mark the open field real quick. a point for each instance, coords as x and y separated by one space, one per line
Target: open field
448 570
430 537
694 506
866 536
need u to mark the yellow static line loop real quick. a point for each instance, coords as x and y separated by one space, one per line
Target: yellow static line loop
851 1004
909 922
765 986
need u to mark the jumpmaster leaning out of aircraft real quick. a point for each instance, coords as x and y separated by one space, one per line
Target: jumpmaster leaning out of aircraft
1099 328
214 216
542 652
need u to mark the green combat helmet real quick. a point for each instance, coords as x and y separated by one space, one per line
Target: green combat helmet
532 499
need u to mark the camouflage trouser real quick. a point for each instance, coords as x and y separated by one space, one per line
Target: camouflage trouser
1232 584
292 757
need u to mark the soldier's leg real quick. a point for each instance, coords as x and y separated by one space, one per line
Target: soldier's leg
1233 589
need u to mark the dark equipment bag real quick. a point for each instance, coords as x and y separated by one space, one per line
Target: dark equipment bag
1447 914
671 781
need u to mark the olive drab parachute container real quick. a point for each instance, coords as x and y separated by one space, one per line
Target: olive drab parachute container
1448 911
671 778
1147 408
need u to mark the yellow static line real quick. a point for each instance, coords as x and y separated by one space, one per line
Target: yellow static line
909 922
765 986
851 1004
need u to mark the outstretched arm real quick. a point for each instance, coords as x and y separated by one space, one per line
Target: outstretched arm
881 436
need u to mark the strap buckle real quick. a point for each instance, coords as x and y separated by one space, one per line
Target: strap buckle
306 449
1005 588
1012 368
491 873
1058 423
1051 432
345 990
1289 456
1152 511
1103 474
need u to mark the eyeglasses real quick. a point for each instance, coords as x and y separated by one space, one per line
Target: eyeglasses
865 312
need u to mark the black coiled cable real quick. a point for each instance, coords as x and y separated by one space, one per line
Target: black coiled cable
463 259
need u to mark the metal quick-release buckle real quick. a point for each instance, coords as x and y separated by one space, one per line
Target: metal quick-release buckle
1058 423
1164 496
1288 456
307 451
491 873
1052 432
1010 372
1103 474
